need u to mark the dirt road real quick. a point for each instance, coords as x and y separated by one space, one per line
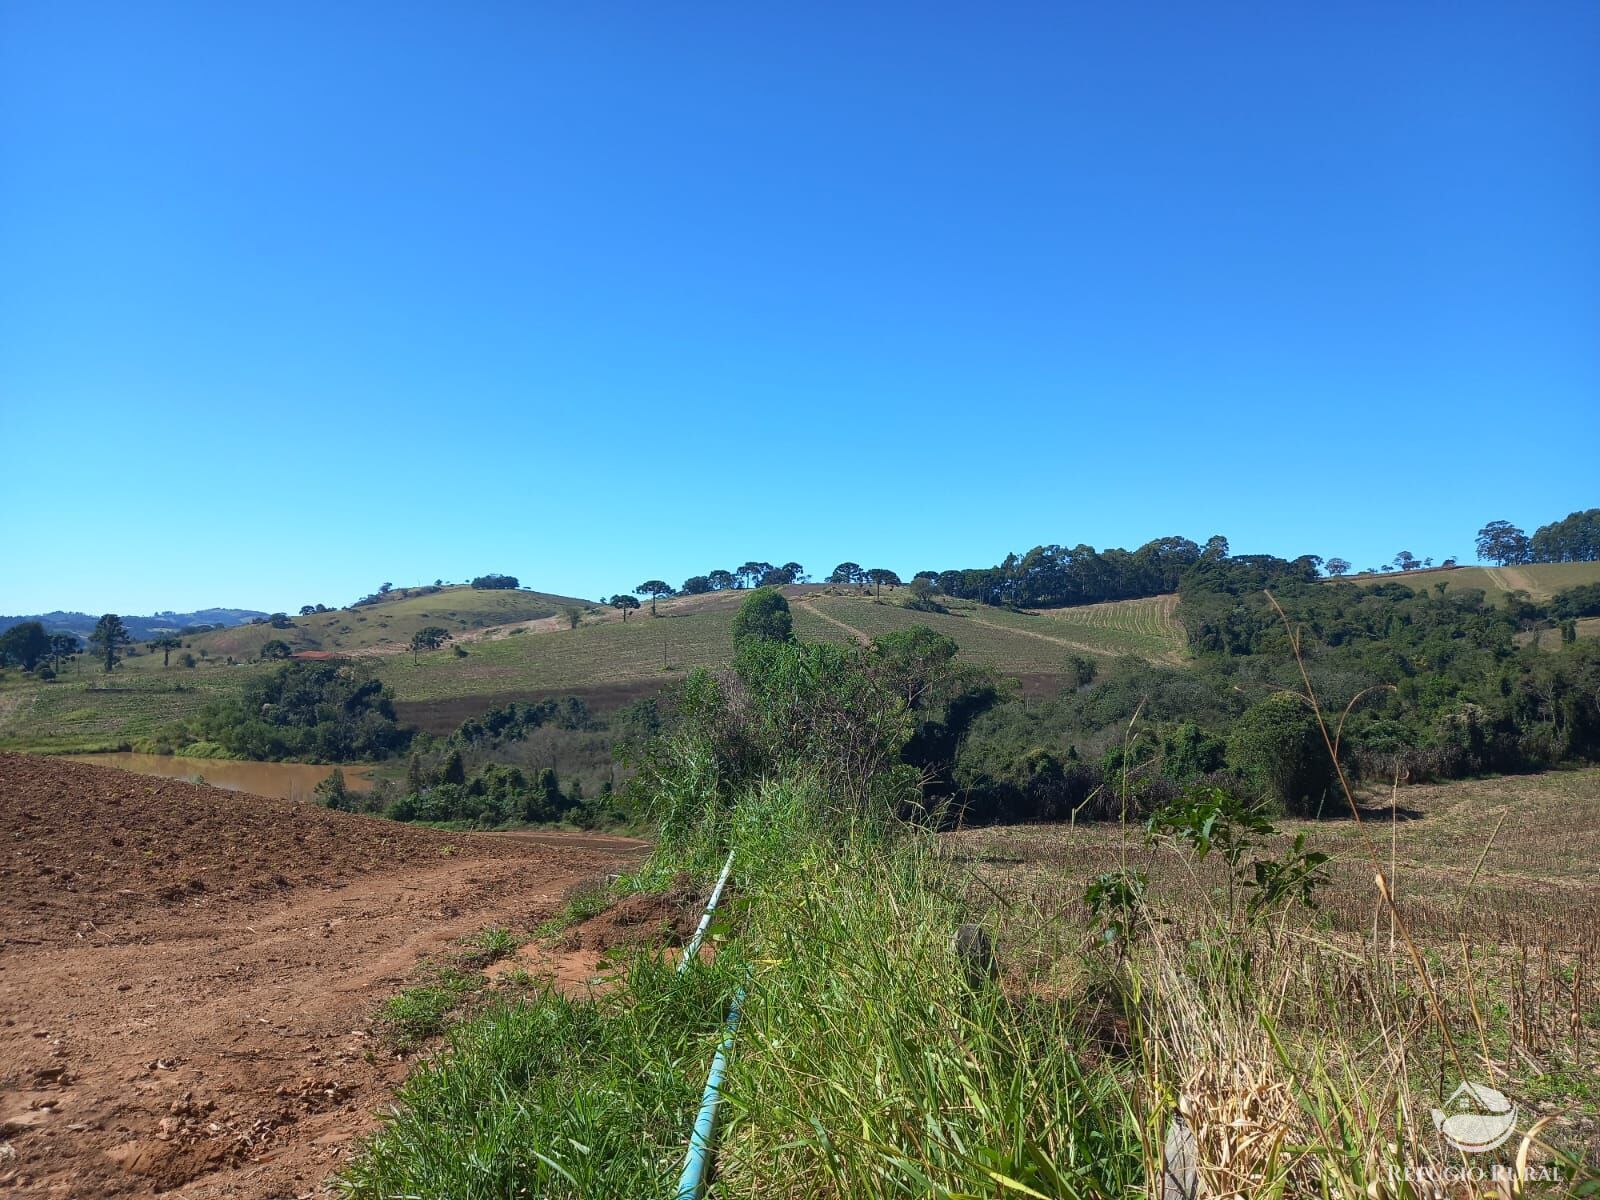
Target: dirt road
216 1040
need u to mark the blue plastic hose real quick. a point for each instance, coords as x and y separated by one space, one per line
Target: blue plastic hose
697 1165
693 947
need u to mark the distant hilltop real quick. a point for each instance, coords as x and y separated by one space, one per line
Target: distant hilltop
142 628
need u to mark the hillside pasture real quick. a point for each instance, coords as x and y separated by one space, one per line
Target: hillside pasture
1541 581
386 625
696 632
91 711
597 652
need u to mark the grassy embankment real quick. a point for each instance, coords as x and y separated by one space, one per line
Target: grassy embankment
1306 1049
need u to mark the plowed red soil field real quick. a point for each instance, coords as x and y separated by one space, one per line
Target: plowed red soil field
188 976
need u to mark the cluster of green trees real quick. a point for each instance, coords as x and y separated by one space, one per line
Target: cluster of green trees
495 795
464 778
494 580
1441 682
1056 576
385 590
1580 601
490 798
1427 683
752 574
276 620
1575 538
762 574
314 711
430 637
879 728
515 721
854 573
28 646
1404 561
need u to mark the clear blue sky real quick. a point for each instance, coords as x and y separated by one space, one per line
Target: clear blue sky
299 298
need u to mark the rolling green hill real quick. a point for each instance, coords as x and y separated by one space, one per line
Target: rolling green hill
696 631
386 625
519 643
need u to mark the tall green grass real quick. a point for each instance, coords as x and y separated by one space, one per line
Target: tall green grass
544 1095
869 1063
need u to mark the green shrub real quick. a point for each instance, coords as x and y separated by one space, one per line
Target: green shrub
763 617
1277 745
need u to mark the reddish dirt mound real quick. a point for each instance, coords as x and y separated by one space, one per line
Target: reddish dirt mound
85 847
218 1043
646 919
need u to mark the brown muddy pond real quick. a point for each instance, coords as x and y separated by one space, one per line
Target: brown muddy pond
286 781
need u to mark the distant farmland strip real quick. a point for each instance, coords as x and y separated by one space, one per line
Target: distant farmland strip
1007 642
603 652
87 711
1148 628
91 711
850 630
1540 580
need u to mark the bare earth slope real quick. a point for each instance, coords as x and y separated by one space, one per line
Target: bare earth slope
188 976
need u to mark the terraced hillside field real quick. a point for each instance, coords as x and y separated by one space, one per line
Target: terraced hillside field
1148 628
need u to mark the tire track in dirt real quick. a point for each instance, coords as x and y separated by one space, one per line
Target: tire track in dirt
219 1041
1513 579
